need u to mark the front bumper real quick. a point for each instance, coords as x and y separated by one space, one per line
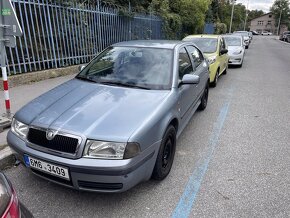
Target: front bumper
93 174
236 59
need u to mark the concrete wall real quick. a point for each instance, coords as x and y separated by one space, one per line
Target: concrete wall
27 78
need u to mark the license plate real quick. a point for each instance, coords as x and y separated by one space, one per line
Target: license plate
43 166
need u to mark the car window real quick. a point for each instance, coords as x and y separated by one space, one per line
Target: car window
185 66
145 67
233 41
196 55
206 45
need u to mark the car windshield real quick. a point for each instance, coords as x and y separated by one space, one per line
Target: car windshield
242 33
206 45
233 41
145 68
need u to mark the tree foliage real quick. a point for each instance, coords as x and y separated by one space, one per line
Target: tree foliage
281 7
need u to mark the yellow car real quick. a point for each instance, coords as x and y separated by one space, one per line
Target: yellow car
215 50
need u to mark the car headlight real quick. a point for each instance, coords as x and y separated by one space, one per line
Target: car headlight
19 128
211 60
110 150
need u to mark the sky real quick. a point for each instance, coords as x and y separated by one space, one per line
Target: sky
258 4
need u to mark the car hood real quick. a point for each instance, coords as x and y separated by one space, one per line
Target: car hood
92 110
233 49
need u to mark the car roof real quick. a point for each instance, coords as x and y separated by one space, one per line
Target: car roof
233 35
166 44
203 36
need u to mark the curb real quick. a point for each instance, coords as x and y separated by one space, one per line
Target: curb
7 158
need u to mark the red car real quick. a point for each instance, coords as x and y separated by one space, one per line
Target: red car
10 207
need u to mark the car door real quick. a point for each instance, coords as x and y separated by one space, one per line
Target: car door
187 92
200 68
224 57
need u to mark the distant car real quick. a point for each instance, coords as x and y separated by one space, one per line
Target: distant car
246 37
284 35
9 203
255 33
116 123
250 35
214 48
266 33
236 49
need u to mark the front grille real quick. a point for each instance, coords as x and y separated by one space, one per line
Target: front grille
58 143
100 186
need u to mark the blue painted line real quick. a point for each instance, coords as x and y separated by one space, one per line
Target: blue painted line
188 197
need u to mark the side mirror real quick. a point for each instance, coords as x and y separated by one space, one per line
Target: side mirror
81 67
190 79
224 51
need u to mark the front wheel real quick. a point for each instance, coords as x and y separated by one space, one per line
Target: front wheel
165 155
204 98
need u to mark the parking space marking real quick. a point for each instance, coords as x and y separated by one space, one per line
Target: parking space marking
188 197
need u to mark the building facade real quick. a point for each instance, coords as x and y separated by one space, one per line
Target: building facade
265 22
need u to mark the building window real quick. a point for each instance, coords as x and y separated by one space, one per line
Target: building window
270 15
260 23
269 22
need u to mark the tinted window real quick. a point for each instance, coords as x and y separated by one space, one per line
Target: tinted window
185 66
206 45
143 67
196 55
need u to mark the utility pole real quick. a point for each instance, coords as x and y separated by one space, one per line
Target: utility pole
246 18
233 7
9 28
278 29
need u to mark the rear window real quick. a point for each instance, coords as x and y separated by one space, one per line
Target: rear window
206 45
233 41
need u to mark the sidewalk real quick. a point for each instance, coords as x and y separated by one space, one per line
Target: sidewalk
19 96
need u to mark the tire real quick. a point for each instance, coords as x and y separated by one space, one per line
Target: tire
214 83
247 47
165 155
204 98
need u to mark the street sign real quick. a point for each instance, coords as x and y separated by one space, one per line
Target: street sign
10 23
9 29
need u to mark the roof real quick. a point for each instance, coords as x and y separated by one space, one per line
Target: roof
202 36
261 16
167 44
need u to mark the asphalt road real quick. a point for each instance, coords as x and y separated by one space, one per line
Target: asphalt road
232 160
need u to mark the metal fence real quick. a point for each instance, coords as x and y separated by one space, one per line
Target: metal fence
57 35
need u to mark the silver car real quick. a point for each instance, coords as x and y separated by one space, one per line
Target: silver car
115 124
246 37
236 50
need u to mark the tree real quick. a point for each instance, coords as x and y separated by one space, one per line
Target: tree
281 7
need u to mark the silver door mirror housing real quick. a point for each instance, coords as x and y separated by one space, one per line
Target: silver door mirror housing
190 79
81 67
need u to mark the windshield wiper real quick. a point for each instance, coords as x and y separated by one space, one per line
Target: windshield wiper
85 79
124 85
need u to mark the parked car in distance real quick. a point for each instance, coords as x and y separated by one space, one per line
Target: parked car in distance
246 37
10 206
214 48
236 49
266 33
255 33
116 123
251 36
283 36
